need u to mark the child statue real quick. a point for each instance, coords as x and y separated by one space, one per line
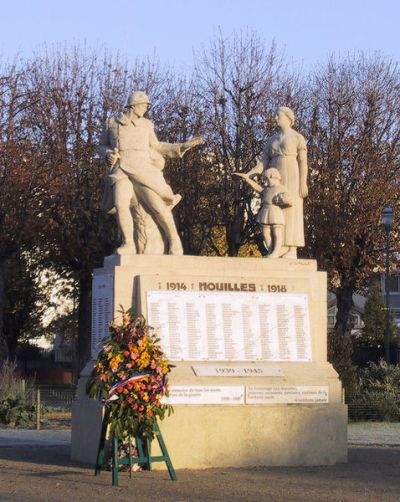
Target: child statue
274 197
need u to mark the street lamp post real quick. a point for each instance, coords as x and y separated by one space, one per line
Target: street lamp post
387 220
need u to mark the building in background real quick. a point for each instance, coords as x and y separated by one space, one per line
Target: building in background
359 301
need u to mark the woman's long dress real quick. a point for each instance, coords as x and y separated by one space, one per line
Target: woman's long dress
281 152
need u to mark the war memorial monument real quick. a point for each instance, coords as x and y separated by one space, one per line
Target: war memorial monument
248 336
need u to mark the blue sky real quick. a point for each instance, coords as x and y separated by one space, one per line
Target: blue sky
305 30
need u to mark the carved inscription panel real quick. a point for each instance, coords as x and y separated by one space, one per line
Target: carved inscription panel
231 326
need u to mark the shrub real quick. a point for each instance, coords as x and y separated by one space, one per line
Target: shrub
379 388
16 406
16 411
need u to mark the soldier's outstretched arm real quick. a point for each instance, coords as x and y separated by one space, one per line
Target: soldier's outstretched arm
188 145
172 150
169 150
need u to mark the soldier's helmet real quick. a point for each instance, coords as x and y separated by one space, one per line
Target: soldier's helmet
137 98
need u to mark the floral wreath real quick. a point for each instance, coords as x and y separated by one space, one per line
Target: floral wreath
130 376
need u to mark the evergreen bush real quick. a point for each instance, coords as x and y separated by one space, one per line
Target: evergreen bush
379 389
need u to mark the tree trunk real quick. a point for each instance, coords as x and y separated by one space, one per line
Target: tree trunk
3 344
84 319
340 346
344 303
233 239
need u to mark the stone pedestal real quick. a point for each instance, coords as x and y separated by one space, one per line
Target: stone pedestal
282 431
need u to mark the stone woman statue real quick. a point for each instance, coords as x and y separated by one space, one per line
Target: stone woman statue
286 151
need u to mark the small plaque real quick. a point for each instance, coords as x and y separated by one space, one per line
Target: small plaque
256 370
200 394
287 394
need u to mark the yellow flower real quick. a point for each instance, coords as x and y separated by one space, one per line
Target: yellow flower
144 360
115 361
142 344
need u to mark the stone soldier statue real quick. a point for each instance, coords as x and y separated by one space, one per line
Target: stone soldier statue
136 182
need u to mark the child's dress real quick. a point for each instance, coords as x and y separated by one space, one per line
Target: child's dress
271 200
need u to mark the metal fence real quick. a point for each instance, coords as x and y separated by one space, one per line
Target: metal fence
57 396
364 412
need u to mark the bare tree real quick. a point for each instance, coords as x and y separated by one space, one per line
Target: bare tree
24 177
241 84
354 153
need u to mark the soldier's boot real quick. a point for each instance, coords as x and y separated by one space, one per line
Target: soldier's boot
175 247
126 248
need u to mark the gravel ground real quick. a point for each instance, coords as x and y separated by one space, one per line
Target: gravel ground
30 437
359 433
31 470
374 433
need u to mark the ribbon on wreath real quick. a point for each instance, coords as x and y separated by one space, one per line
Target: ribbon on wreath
112 393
